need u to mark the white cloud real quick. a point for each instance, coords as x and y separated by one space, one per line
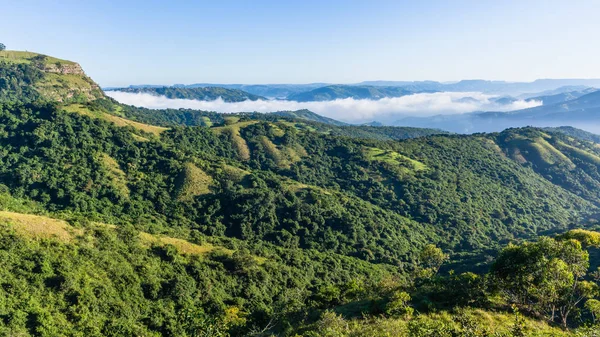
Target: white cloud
348 110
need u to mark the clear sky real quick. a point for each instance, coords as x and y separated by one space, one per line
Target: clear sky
288 41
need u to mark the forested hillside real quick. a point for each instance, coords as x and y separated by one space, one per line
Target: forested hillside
201 94
117 220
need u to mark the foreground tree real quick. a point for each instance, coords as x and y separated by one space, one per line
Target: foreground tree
431 259
545 277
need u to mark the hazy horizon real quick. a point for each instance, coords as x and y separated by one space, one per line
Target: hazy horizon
268 42
363 82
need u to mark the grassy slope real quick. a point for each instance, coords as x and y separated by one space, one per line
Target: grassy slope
566 161
63 81
577 133
192 182
394 158
467 322
44 227
25 57
118 121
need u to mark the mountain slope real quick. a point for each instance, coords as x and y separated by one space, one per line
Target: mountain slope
213 224
32 76
565 161
307 115
576 133
575 108
561 97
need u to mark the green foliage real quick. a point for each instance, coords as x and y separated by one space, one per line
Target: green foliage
585 237
105 283
2 47
16 81
399 305
431 258
545 277
568 162
593 306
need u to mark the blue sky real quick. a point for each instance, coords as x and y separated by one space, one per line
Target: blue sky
167 42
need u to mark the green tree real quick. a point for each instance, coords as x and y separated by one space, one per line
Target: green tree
399 304
545 277
2 47
593 306
431 259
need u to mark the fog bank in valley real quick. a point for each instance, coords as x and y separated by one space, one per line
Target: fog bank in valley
347 110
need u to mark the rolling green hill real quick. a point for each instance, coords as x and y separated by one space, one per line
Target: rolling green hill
576 133
302 120
119 220
306 115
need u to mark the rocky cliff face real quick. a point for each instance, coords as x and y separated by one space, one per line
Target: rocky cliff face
64 69
68 82
55 79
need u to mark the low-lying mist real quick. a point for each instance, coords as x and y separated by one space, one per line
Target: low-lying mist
347 110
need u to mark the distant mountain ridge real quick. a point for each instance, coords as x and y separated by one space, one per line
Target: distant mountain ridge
334 92
267 90
379 89
490 87
199 93
561 97
582 112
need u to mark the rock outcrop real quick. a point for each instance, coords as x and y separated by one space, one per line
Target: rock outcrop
64 69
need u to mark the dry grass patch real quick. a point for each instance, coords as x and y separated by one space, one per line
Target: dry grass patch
139 138
403 162
490 144
295 186
38 226
283 156
118 121
192 182
234 174
117 176
233 132
183 246
26 57
43 227
272 150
